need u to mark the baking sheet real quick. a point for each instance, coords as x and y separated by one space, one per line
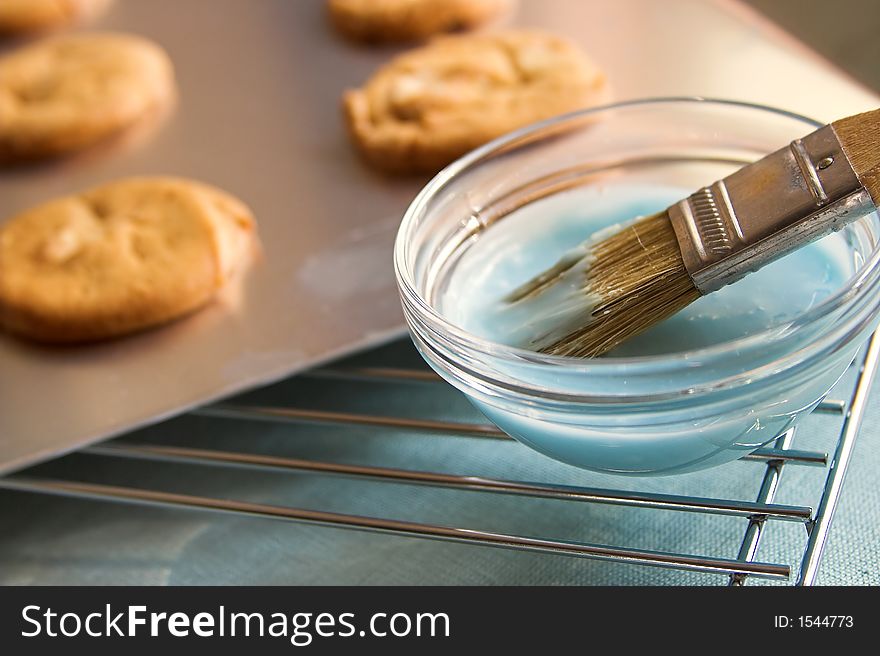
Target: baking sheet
258 115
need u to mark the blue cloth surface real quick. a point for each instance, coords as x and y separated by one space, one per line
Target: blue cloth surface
50 540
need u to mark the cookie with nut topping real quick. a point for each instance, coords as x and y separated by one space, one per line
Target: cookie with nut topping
25 16
67 93
433 104
122 257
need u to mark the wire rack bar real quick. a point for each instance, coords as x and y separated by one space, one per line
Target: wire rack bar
392 374
375 373
447 428
791 456
270 413
839 463
472 483
393 527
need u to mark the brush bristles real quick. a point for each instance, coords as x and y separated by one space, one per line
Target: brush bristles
639 279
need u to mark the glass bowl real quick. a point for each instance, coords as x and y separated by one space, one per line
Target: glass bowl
657 414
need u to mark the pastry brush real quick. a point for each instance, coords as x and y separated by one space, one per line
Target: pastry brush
620 283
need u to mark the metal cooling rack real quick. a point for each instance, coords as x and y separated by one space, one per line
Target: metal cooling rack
816 521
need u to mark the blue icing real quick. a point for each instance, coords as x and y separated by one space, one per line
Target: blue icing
535 237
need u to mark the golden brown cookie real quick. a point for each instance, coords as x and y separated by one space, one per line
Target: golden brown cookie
431 105
410 20
67 93
22 16
119 258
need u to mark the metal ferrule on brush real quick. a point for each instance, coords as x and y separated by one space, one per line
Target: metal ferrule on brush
768 209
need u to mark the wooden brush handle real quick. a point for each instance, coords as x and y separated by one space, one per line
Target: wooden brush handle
860 137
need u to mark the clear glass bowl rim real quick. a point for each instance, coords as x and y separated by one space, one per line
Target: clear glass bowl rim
604 366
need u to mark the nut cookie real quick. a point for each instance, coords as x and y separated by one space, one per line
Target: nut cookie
119 258
22 16
67 93
431 105
410 20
